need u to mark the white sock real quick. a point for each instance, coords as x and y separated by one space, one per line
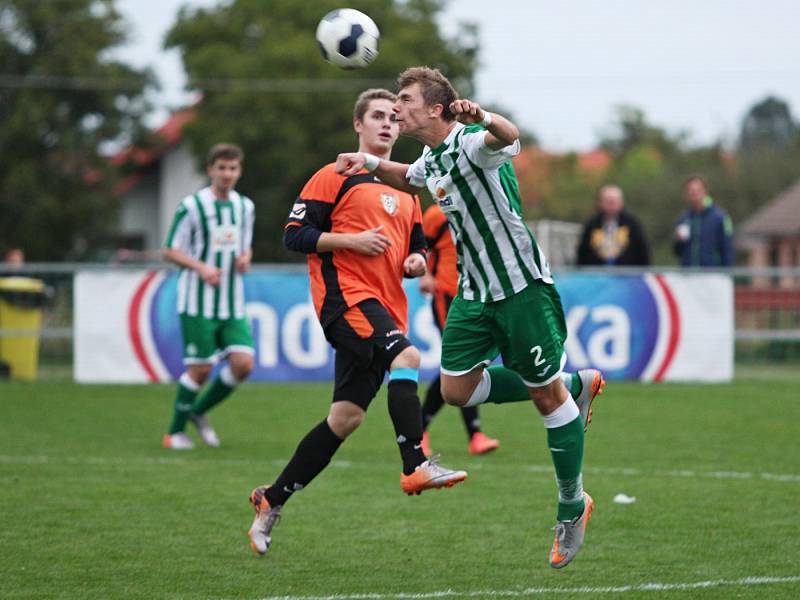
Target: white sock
227 376
189 383
481 392
566 413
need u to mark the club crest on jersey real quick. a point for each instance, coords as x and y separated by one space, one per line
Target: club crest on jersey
390 203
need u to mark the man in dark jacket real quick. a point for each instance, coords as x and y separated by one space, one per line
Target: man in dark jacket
704 235
613 236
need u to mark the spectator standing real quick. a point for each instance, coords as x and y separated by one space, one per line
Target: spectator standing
613 236
704 234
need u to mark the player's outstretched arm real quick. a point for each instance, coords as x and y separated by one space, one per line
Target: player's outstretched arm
389 172
500 131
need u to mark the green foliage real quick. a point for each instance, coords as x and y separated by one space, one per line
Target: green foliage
768 125
60 99
93 508
651 164
293 114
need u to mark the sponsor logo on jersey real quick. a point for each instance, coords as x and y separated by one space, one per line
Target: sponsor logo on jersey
298 211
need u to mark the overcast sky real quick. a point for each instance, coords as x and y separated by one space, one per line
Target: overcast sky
561 67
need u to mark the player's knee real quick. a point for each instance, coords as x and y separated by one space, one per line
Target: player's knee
548 398
408 359
199 373
454 394
344 418
242 365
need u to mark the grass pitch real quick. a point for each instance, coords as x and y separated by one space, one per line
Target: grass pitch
92 507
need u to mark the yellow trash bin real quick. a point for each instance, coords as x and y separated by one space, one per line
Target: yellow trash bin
21 300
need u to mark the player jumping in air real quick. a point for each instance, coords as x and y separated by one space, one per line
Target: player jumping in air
361 237
507 303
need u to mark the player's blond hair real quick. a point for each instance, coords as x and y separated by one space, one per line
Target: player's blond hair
435 88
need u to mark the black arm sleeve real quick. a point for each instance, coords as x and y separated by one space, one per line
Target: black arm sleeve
307 221
301 238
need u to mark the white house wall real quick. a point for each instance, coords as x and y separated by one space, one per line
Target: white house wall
139 211
178 177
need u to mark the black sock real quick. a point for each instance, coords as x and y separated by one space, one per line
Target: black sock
433 402
406 414
313 454
471 420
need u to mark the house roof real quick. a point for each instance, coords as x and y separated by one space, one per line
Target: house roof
170 133
780 217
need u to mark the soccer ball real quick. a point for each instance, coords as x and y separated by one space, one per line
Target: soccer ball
348 38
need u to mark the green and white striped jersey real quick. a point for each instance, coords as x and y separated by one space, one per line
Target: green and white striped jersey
215 232
477 189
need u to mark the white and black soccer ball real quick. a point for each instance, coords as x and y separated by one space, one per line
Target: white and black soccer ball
348 38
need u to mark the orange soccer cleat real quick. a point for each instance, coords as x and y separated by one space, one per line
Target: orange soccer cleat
569 536
593 386
482 443
430 475
426 444
266 518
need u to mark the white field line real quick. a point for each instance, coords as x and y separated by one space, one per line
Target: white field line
189 459
534 591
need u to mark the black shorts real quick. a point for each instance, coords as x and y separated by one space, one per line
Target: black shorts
366 340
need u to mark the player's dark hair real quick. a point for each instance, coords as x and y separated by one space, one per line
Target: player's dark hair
435 88
364 98
224 152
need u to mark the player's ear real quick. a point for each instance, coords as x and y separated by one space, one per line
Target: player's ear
358 125
436 110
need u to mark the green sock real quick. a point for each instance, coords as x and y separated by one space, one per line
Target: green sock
566 448
184 400
507 386
575 386
216 393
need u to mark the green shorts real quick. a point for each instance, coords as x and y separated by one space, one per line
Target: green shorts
204 340
528 330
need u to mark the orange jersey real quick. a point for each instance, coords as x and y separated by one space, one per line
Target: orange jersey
442 260
330 202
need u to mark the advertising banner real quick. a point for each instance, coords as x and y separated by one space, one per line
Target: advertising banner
651 327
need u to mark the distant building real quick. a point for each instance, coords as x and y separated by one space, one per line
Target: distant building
148 197
771 236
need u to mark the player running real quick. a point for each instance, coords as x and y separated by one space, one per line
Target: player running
507 303
361 237
210 240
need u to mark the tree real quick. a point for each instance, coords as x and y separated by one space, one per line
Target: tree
630 129
60 99
768 125
265 87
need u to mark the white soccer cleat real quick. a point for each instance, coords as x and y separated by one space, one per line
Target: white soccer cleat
260 532
177 441
206 431
569 536
593 385
430 475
